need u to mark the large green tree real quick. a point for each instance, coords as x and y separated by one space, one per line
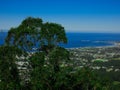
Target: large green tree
52 35
58 57
25 36
9 76
32 32
47 72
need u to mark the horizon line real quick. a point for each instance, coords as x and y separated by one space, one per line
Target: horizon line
72 31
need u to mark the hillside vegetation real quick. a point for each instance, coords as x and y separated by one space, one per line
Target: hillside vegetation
32 59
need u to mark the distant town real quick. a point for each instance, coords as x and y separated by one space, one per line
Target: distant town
97 58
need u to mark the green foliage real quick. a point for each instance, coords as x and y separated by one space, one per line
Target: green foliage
116 85
37 63
51 68
32 32
26 34
52 34
9 76
44 74
37 60
57 57
51 76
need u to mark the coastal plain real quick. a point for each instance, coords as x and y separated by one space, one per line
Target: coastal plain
105 61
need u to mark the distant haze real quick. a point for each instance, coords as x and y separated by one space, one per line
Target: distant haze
74 15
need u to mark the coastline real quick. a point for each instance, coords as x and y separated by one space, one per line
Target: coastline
114 44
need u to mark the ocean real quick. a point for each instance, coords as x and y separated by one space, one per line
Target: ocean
76 40
2 37
91 39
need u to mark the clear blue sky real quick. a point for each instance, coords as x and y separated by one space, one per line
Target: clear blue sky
74 15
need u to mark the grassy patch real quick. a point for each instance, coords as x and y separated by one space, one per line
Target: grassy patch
100 60
116 83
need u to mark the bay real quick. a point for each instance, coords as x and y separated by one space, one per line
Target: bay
82 39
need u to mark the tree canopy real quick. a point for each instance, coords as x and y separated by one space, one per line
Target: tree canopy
32 32
26 34
52 34
9 75
48 69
